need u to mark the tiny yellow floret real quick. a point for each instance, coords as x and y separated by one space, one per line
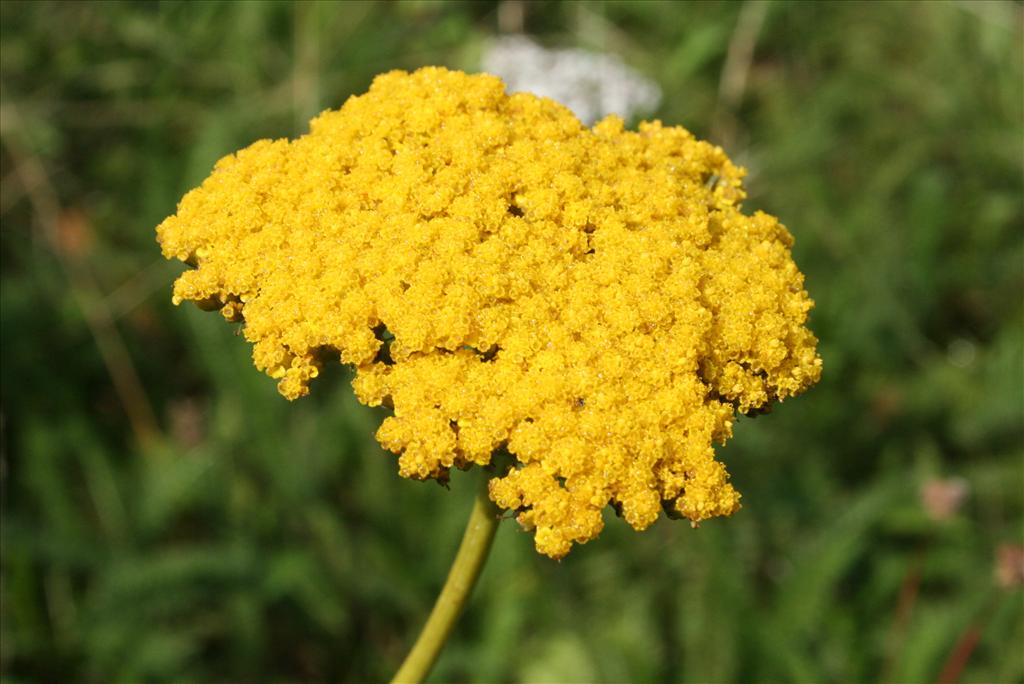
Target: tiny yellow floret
593 300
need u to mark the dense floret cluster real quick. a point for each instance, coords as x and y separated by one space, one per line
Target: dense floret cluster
591 300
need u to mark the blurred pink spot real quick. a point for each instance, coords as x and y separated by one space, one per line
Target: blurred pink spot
942 499
1010 566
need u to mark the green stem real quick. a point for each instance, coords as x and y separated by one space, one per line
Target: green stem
465 570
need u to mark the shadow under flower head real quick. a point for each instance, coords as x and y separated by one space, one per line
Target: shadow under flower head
592 300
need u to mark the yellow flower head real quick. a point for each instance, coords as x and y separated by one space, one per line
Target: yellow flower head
592 300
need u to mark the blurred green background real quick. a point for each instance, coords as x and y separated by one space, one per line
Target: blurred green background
167 517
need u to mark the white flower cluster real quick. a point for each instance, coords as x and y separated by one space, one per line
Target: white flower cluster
591 84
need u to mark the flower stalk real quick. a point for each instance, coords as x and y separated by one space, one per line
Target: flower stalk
462 577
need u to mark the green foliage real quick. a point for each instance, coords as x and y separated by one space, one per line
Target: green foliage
248 539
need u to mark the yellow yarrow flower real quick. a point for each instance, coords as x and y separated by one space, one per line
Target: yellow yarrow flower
591 299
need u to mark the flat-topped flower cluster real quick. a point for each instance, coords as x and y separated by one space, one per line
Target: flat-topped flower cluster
591 300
